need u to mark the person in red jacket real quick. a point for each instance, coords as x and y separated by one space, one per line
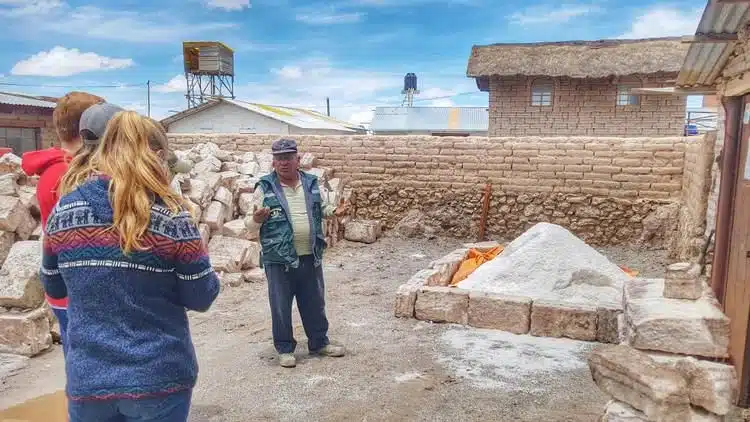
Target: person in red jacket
51 164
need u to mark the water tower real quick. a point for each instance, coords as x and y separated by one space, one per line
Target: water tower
410 89
209 71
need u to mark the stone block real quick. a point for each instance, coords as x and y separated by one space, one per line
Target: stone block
255 275
247 157
236 228
228 254
230 166
194 209
559 319
632 377
8 185
683 281
252 257
213 180
11 211
25 333
200 193
10 163
500 312
27 195
228 179
36 234
711 385
363 231
608 324
406 294
26 224
224 196
691 327
617 411
446 267
245 185
249 169
20 286
232 279
6 243
205 232
307 161
245 203
208 164
214 216
442 304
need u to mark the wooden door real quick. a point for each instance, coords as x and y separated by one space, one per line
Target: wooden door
737 291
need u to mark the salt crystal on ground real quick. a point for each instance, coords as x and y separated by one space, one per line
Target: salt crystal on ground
549 262
493 359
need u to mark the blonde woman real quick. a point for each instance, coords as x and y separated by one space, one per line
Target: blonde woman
131 262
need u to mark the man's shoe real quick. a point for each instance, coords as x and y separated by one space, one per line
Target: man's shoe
287 360
332 350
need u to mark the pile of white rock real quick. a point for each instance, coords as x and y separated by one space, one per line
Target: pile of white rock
219 190
25 319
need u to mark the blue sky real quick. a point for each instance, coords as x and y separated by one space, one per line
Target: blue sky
294 52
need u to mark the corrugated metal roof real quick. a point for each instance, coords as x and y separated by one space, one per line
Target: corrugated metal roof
434 119
24 100
299 117
705 60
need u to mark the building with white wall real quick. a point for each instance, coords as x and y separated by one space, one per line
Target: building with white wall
234 116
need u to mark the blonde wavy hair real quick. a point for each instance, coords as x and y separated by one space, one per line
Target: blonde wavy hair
127 153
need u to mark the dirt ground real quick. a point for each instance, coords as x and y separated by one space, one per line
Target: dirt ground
396 369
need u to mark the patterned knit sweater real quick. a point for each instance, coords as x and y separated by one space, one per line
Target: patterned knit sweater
128 332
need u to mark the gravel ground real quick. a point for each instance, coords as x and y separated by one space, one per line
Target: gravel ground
396 369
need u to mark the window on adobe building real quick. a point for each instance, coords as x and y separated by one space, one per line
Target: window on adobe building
541 93
20 139
625 97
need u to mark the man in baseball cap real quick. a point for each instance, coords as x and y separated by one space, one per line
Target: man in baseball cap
288 213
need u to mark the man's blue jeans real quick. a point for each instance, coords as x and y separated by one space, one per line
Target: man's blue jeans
306 284
173 407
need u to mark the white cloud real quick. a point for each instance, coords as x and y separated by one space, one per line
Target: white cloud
407 3
664 21
288 72
361 117
20 8
230 5
331 17
543 15
176 84
61 61
115 25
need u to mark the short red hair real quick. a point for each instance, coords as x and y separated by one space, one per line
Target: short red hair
67 114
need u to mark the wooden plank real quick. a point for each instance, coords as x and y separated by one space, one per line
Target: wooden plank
711 37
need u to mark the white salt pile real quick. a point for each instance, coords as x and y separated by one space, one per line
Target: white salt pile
549 262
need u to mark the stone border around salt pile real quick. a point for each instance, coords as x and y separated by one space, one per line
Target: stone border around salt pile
428 296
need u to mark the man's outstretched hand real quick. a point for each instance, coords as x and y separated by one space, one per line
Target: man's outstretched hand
260 215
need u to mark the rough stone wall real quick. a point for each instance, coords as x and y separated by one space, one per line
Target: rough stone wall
30 118
600 188
696 189
582 107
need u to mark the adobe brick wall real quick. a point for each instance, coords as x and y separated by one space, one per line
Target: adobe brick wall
696 189
581 107
600 188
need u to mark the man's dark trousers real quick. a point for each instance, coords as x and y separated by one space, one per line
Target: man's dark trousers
306 284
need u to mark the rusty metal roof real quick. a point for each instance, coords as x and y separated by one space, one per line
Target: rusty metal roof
24 100
705 60
433 119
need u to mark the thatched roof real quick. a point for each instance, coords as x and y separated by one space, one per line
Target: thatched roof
579 59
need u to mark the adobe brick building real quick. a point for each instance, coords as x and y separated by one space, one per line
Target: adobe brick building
26 122
581 87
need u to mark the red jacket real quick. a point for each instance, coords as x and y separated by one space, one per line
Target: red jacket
50 165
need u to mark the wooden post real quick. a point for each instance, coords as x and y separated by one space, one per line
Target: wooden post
485 211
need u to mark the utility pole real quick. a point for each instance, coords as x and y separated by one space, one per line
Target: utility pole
328 107
148 98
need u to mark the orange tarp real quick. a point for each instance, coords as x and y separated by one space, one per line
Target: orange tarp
473 260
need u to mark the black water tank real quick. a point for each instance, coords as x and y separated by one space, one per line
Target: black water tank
410 82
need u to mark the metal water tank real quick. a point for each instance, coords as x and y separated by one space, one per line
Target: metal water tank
410 82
